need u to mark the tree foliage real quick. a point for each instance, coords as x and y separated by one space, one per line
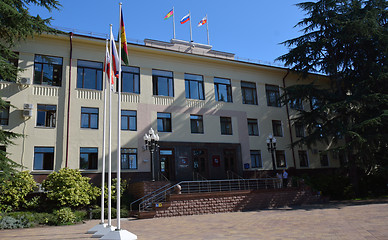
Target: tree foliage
347 42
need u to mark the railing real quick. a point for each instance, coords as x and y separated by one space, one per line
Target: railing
208 186
149 195
162 177
198 177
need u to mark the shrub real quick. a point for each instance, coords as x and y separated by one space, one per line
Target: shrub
96 213
8 222
123 187
65 216
69 188
15 189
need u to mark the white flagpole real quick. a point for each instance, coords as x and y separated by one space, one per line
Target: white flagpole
173 20
110 138
207 29
119 130
104 140
191 34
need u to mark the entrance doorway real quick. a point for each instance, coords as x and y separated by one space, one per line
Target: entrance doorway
199 162
166 160
230 160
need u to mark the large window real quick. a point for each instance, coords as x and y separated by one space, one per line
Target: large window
194 86
4 115
128 120
303 159
248 90
253 127
299 130
256 161
88 158
196 122
89 75
43 158
296 104
128 158
48 70
164 122
46 115
163 83
11 75
223 89
277 128
130 79
324 159
89 117
226 125
273 95
281 159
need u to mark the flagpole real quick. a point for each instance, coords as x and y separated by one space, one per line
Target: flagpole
173 21
207 29
119 129
104 141
191 34
110 138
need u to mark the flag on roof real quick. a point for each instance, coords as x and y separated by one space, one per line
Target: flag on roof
115 56
124 47
202 22
107 68
169 14
185 19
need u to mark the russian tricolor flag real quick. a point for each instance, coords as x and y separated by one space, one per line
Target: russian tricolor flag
115 57
185 19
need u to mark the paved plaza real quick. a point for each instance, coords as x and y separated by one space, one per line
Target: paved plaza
339 220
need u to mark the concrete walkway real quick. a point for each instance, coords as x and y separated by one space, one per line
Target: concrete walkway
340 220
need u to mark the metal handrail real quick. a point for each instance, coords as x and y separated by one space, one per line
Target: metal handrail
197 176
162 176
148 195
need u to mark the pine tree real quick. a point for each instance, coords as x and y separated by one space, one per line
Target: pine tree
16 24
347 42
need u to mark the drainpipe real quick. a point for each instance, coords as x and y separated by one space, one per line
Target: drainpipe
68 101
289 121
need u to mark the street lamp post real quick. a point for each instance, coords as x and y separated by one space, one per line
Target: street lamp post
151 142
271 144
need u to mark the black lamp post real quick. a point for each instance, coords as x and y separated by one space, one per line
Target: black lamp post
151 142
271 144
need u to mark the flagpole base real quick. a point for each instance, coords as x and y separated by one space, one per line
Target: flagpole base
103 232
119 234
97 228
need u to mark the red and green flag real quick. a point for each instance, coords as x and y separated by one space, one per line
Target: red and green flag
169 14
124 48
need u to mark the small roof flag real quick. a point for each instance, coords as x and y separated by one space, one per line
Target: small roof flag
115 57
169 14
124 47
202 22
107 68
185 19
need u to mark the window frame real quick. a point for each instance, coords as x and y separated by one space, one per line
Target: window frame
279 153
4 120
226 123
156 78
305 159
165 119
127 118
222 82
51 66
190 79
277 128
129 154
252 89
196 123
47 113
272 101
48 158
258 161
98 74
91 156
15 63
296 104
299 130
253 127
89 117
134 77
321 160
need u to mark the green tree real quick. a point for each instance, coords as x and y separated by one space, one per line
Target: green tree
16 24
347 42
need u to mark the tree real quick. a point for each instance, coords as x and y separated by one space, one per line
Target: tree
16 24
347 42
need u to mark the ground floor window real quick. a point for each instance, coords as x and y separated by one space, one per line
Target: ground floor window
303 160
43 158
88 158
256 159
128 158
281 159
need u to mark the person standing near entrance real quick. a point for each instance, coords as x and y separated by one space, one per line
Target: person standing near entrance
279 179
285 178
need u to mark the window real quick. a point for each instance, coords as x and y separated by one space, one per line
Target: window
89 75
296 104
163 83
299 130
48 70
88 158
128 158
256 159
273 95
303 159
130 79
324 159
46 116
4 114
128 120
89 117
196 122
314 103
194 86
223 89
281 159
164 122
226 125
253 127
277 128
248 90
43 158
12 73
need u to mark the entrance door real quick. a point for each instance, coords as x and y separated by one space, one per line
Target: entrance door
230 160
165 162
199 163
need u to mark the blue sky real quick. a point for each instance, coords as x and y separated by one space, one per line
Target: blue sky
251 29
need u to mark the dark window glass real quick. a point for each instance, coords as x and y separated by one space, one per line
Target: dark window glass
11 74
226 125
223 89
324 159
273 95
89 75
296 104
164 122
4 114
128 158
130 79
253 127
163 83
194 86
281 159
299 130
43 158
256 161
89 117
46 116
314 103
196 122
128 120
248 91
277 128
88 158
48 70
303 160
